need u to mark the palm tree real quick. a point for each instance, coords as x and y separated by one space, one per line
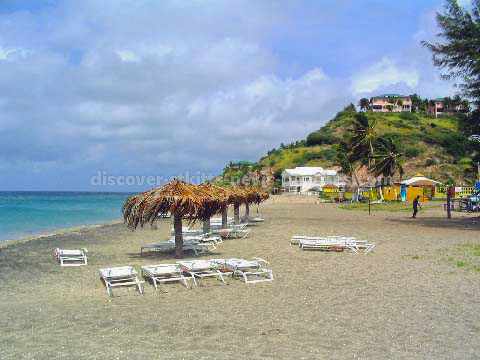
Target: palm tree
362 141
364 104
447 105
346 164
389 159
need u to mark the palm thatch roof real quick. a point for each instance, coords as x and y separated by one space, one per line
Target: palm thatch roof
177 197
221 193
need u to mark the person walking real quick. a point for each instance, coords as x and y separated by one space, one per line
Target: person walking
415 206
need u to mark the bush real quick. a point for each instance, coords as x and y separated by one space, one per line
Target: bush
412 152
278 174
408 116
433 125
456 145
319 138
430 162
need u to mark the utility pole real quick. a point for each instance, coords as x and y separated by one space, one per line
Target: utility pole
449 215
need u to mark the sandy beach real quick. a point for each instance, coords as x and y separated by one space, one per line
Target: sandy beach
405 300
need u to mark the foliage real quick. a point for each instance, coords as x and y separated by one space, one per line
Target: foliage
320 138
389 158
350 108
412 152
458 53
364 104
405 115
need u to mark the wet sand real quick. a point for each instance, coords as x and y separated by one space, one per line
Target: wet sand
402 301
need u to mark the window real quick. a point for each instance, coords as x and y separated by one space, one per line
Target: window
306 178
377 107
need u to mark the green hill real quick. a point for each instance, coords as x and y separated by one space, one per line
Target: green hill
433 146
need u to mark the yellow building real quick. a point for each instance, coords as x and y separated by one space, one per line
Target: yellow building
419 185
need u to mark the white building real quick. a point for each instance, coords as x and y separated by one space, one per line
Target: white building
302 179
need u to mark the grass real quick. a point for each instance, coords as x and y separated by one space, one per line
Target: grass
386 206
466 256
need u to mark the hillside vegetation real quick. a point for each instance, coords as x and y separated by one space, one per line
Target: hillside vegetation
433 146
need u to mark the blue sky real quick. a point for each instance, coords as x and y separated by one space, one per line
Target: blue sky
161 87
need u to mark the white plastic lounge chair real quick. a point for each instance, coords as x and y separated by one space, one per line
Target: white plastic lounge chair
296 239
164 273
232 232
255 219
202 269
186 231
120 276
219 220
71 257
193 245
204 238
247 268
325 245
336 244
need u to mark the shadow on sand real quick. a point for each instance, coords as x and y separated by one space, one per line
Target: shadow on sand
459 223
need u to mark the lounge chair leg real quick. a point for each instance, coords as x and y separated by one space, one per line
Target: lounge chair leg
194 280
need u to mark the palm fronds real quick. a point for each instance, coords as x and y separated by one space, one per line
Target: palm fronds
177 197
389 158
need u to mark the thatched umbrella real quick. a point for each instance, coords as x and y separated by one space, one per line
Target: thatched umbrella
178 198
239 195
253 196
222 196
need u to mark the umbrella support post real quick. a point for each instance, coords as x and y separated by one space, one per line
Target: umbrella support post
177 225
224 217
236 214
206 226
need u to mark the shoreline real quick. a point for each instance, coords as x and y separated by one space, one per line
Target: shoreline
5 243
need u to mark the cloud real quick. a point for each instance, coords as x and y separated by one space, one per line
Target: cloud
382 74
178 86
161 87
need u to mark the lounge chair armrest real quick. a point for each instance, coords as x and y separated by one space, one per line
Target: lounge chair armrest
261 260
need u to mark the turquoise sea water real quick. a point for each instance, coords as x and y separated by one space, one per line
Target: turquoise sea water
29 213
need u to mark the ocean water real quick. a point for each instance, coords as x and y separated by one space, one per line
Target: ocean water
25 214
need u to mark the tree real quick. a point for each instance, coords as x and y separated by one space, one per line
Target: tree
388 159
447 105
364 104
458 53
346 164
363 138
416 102
350 108
393 103
362 141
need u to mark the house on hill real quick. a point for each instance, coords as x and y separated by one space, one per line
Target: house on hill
440 106
302 179
391 103
240 164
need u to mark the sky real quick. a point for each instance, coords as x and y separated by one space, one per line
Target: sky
159 88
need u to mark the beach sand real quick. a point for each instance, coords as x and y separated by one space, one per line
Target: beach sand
402 301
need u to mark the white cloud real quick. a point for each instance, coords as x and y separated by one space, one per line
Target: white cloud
13 53
382 74
174 87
